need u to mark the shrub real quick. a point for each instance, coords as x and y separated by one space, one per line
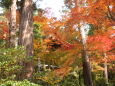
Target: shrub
10 60
19 83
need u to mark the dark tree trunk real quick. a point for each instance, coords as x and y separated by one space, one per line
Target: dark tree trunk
86 69
21 6
13 29
26 36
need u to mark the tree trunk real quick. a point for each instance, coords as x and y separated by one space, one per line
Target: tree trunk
26 36
86 64
13 29
105 70
86 69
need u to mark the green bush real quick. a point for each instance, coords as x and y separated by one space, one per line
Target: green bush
19 83
10 60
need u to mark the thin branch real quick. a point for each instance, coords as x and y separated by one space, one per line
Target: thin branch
35 1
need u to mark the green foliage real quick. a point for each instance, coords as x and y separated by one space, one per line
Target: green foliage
10 60
2 43
74 78
70 80
19 83
91 29
37 31
47 77
5 3
99 80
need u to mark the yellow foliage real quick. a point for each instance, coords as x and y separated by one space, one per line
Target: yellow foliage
36 44
96 67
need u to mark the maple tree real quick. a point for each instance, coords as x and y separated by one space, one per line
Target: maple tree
103 43
96 12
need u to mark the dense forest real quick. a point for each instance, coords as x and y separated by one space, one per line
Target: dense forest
76 50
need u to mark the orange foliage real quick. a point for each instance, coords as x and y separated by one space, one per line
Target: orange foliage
52 28
3 30
96 12
62 71
102 40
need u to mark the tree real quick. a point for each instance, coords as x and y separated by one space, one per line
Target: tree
91 12
102 41
13 29
85 57
26 34
82 27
